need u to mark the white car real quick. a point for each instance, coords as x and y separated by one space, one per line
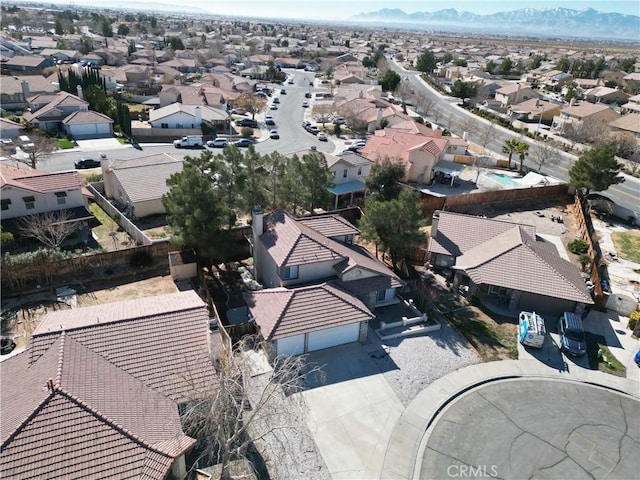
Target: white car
322 136
305 104
218 143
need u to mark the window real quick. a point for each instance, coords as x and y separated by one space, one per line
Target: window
29 202
289 273
344 173
380 296
333 172
62 197
359 171
164 125
5 202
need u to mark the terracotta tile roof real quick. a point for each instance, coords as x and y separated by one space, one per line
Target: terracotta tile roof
458 233
94 420
162 340
38 181
514 259
282 312
291 243
329 225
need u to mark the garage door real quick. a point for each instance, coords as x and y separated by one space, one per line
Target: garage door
290 345
331 337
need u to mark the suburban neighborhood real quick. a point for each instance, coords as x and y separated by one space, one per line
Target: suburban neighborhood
267 248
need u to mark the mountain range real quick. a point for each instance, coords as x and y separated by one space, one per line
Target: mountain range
560 22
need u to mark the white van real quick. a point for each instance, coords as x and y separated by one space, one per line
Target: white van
531 329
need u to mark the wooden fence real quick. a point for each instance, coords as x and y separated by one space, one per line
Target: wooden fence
588 234
458 203
22 277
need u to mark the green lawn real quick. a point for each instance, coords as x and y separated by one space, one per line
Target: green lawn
627 245
122 140
63 143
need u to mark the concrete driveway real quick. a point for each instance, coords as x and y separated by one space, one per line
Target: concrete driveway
351 415
535 429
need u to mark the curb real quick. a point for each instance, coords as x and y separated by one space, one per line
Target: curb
413 425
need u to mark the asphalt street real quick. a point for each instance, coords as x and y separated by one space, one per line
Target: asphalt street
535 429
290 115
459 120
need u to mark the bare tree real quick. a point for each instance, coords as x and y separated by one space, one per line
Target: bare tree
467 124
322 112
487 134
424 104
352 118
403 91
50 228
543 154
41 147
482 162
244 408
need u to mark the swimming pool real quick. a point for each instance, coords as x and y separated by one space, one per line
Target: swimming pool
503 179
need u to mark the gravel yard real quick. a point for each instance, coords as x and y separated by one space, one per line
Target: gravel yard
415 362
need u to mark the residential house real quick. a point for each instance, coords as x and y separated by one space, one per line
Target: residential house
418 153
555 79
96 394
321 290
27 192
9 129
89 124
350 172
178 115
28 63
506 263
367 113
535 110
16 89
47 112
514 93
137 185
605 95
61 56
183 65
627 123
577 114
632 82
632 106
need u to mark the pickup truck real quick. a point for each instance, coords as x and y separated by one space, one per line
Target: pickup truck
188 141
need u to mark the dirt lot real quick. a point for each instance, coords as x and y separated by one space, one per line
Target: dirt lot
19 319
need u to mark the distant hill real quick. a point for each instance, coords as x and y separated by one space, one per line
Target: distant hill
556 22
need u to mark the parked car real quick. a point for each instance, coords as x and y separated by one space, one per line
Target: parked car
6 345
243 142
290 81
274 134
276 100
283 92
273 107
87 163
268 120
247 122
313 129
305 104
218 143
637 358
307 95
571 331
306 124
238 111
357 145
322 136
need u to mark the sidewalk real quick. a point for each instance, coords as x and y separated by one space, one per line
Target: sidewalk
409 433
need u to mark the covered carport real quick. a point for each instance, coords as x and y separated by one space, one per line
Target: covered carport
446 167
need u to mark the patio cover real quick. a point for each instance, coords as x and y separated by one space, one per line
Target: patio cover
348 187
452 168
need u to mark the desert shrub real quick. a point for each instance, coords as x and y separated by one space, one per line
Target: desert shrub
578 246
633 320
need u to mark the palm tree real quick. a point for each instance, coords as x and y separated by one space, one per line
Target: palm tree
523 151
510 147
